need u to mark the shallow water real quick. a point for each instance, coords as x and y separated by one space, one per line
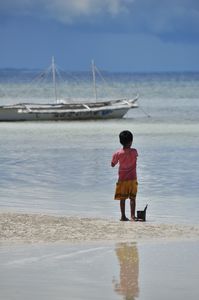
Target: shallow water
106 271
65 168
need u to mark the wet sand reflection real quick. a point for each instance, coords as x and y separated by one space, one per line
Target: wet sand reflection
128 286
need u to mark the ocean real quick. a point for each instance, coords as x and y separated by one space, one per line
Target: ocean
63 168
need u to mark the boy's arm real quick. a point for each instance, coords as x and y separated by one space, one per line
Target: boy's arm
114 160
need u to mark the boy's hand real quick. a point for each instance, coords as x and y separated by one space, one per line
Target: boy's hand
112 164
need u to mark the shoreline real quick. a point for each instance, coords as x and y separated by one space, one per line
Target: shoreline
41 228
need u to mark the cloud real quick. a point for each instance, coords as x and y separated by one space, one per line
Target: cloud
66 11
176 20
86 10
167 17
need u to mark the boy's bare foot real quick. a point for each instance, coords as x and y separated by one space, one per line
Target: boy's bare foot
134 219
124 219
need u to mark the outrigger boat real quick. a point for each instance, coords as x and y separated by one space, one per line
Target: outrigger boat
61 110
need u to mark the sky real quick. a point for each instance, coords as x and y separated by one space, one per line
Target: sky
120 35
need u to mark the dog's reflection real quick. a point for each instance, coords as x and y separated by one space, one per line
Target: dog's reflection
127 285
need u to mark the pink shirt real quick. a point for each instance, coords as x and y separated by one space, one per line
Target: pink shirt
127 159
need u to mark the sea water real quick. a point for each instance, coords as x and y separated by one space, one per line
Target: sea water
63 168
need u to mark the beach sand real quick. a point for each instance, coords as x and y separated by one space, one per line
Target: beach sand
36 228
47 257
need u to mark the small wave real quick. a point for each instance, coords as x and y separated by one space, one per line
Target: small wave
36 228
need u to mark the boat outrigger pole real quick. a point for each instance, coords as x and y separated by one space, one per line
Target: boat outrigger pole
94 80
54 78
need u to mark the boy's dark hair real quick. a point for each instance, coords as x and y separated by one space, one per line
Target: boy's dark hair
126 137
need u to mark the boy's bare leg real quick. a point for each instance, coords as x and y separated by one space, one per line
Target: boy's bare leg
122 209
132 205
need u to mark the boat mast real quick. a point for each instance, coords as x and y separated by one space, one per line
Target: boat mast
54 78
94 81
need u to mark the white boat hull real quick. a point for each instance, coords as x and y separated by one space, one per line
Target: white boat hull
13 115
63 112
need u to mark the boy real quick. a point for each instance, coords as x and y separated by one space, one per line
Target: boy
126 186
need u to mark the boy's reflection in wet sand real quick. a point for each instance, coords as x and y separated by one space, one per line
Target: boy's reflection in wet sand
127 254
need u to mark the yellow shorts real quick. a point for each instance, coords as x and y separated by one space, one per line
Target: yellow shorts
126 189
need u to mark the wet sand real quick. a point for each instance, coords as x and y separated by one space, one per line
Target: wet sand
100 271
36 228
